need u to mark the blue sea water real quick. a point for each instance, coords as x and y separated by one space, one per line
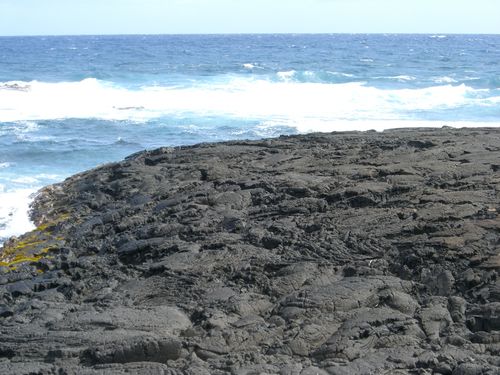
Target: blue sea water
71 103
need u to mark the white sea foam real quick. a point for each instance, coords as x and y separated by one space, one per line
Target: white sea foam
4 165
27 127
238 97
14 207
20 129
399 78
286 75
445 79
341 74
403 78
471 78
248 66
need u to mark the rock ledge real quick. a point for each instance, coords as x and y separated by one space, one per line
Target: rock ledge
342 253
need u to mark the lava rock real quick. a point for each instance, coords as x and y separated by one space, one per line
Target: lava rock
341 253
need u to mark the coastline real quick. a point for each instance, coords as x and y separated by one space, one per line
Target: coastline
350 252
64 110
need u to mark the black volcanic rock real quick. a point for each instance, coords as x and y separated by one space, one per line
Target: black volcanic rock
342 253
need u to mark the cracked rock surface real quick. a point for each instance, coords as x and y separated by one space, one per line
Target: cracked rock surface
342 253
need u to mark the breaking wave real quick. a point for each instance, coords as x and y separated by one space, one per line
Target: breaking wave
235 96
14 208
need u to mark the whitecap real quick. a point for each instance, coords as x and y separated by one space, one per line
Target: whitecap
248 66
26 127
403 78
340 74
445 79
191 129
4 165
399 78
471 78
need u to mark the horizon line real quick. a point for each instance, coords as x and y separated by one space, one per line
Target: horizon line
243 33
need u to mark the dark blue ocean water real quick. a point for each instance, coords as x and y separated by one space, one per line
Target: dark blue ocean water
70 103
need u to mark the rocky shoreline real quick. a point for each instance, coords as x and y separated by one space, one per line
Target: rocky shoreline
341 253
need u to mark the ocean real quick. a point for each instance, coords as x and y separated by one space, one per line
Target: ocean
70 103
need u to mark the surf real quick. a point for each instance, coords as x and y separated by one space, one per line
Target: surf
236 97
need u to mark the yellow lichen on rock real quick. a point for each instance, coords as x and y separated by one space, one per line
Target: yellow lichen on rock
32 246
43 227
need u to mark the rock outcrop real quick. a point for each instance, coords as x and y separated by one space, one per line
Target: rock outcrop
342 253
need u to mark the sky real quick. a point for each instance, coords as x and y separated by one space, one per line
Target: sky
71 17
